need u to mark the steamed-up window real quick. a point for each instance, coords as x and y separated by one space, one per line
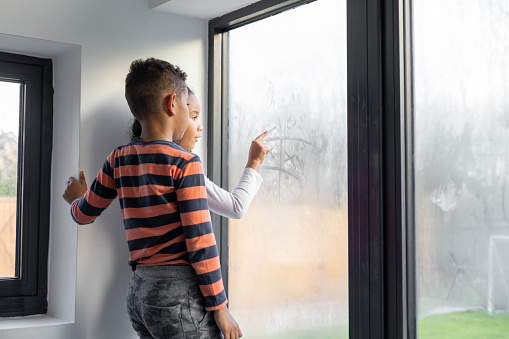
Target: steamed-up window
461 138
427 170
288 257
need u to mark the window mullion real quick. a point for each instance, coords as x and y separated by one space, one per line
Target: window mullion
375 209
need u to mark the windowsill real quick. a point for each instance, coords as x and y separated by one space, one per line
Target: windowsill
31 321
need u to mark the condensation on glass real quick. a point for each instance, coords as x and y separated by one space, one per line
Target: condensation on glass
461 125
288 268
9 134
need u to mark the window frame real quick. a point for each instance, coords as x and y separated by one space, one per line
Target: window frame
381 259
27 293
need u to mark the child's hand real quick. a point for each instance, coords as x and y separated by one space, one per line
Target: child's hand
75 189
257 151
227 324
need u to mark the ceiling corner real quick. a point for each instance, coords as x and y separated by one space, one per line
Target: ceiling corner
156 3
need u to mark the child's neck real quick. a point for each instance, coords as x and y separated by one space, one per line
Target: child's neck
156 129
152 137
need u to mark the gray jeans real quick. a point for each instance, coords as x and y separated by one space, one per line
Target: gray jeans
166 302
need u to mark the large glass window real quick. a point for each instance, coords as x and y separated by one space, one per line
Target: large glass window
461 126
288 256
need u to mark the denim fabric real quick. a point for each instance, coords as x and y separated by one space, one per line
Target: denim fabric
166 302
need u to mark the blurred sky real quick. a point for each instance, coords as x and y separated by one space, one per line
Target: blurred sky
9 107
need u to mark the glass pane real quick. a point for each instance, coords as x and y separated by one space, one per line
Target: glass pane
9 127
461 124
288 269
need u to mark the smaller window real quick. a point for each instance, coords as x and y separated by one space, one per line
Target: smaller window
26 126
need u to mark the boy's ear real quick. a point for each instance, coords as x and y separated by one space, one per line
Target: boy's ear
171 103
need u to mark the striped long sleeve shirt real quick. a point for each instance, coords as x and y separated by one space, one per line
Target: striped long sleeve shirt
162 194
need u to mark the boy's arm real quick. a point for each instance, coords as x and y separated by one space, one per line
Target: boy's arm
227 324
75 188
201 245
200 241
88 204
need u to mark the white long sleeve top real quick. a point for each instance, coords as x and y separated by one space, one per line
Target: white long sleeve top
235 204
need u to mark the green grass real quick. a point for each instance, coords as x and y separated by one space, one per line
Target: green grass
459 325
465 325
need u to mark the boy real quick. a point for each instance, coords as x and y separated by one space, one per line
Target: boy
176 282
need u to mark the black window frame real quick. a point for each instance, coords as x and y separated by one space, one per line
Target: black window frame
381 261
26 294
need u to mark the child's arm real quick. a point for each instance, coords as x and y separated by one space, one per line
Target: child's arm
201 244
257 151
75 188
200 241
235 204
88 204
227 324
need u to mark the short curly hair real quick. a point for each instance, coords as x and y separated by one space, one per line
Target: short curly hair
146 82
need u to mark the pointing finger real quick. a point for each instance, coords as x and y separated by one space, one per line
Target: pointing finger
261 136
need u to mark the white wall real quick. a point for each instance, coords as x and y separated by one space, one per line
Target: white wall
108 35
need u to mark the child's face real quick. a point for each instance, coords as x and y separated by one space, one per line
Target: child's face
193 131
181 116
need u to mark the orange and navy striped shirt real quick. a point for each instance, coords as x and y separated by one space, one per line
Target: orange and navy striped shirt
162 194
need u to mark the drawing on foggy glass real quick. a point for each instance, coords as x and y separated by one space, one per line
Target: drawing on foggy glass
290 251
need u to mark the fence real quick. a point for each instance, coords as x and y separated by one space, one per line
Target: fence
7 236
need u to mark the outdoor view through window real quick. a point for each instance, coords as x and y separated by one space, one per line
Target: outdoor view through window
9 126
461 126
288 268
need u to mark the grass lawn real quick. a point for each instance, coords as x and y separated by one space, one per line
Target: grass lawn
459 325
465 325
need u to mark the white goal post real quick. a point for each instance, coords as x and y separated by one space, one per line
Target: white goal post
498 271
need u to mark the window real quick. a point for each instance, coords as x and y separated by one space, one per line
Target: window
376 294
294 238
460 173
25 163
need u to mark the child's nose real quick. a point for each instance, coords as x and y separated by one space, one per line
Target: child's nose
200 127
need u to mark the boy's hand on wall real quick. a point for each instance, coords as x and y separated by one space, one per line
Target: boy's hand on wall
227 324
75 188
257 151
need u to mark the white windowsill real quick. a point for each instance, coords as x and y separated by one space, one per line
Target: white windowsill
31 321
